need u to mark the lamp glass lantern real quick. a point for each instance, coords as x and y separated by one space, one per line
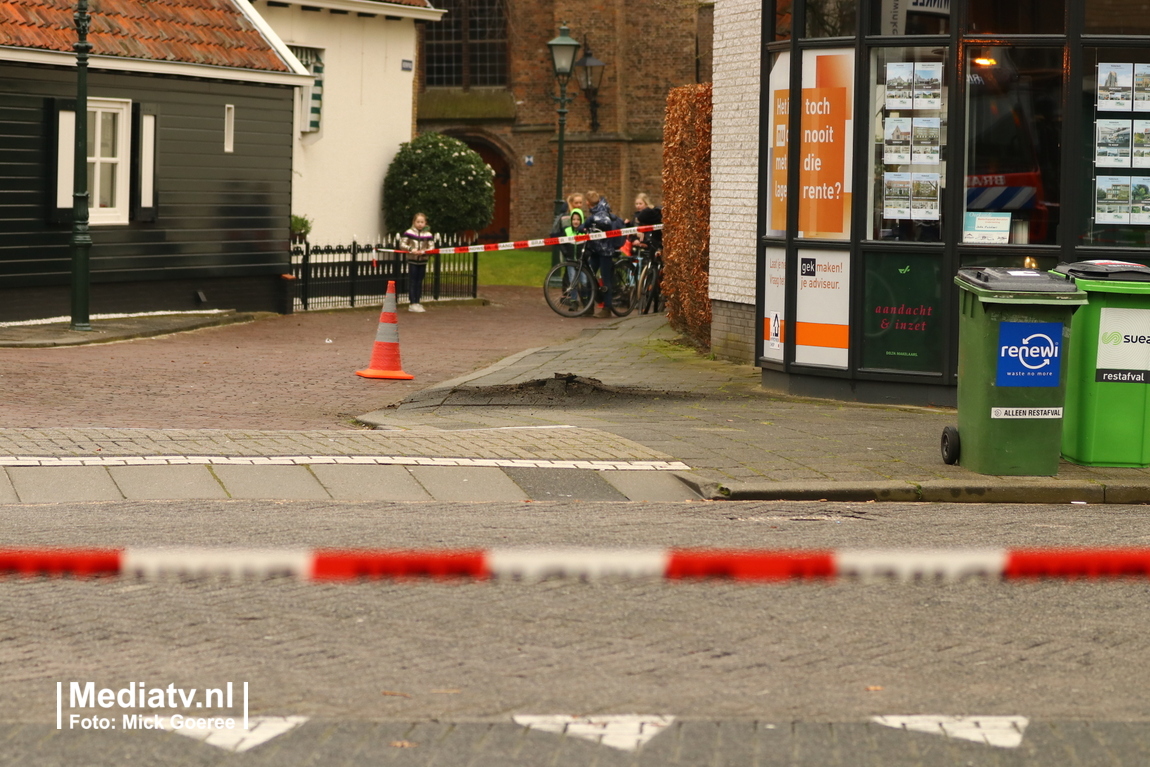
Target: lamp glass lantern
589 73
563 51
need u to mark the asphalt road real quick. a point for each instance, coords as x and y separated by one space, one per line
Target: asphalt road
433 673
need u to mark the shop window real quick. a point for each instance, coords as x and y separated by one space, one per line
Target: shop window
825 147
1014 139
904 17
777 157
783 18
908 146
1117 17
468 46
903 326
831 18
1116 100
1017 17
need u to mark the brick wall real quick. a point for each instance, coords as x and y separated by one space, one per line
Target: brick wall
648 48
733 331
734 150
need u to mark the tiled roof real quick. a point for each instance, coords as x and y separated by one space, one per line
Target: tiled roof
213 32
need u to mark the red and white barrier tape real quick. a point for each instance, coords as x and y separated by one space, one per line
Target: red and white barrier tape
546 242
584 564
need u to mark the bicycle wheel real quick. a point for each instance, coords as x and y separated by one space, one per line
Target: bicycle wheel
646 290
625 290
569 289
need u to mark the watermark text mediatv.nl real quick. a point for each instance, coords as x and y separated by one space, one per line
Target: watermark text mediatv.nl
140 706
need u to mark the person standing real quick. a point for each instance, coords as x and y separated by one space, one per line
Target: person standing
602 252
416 241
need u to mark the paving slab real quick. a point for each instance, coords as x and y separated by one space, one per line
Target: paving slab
564 485
369 483
467 483
295 483
63 484
150 483
650 485
7 492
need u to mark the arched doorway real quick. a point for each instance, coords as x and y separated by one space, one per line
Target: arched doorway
499 229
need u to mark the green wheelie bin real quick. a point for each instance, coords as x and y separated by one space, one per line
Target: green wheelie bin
1108 386
1013 329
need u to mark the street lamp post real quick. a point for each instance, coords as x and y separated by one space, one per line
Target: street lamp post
81 239
589 75
563 50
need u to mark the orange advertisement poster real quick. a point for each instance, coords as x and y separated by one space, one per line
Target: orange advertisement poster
781 108
822 169
825 154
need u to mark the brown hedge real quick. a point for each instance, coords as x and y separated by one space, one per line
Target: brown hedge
687 210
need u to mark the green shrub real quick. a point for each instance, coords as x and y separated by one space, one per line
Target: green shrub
442 178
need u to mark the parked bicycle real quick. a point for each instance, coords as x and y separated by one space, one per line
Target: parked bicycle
650 287
572 290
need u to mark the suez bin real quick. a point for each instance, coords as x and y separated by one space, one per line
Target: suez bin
1108 384
1012 332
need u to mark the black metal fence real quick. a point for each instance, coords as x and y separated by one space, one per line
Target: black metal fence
338 276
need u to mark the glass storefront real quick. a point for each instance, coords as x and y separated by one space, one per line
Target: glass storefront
919 136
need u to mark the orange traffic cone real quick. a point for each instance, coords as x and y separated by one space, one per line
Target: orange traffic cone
385 354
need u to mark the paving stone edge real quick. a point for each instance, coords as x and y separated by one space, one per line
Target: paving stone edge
1025 490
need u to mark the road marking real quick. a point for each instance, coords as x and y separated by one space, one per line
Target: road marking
999 731
260 730
304 460
627 732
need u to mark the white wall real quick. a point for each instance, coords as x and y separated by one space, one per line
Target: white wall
367 114
735 150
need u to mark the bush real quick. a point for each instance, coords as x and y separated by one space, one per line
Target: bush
687 211
442 178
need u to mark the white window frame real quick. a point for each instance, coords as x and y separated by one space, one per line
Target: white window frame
120 213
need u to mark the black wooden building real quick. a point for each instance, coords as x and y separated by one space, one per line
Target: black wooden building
190 157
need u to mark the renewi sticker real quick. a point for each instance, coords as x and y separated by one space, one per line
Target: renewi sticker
1026 412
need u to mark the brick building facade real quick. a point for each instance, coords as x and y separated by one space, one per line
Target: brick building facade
505 108
735 178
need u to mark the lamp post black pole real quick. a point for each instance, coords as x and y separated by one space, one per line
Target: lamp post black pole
563 101
81 239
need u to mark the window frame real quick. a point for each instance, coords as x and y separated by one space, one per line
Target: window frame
463 74
126 163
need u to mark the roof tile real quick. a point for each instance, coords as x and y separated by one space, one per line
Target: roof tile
211 32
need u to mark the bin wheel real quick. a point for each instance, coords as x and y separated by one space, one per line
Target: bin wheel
950 445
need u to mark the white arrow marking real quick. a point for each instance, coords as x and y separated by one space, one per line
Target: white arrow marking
1000 731
626 733
260 730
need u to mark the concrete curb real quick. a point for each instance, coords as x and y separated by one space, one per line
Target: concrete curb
1024 490
111 331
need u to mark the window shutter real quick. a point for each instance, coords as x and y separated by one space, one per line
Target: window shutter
311 97
61 119
145 122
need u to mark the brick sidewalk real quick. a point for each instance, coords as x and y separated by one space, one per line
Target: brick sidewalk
290 372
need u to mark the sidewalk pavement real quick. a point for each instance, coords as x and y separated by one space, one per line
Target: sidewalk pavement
623 412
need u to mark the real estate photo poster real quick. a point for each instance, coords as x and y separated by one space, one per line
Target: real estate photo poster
896 140
1142 87
1115 87
1140 200
1112 144
928 85
1112 200
900 85
896 195
926 133
1140 144
924 196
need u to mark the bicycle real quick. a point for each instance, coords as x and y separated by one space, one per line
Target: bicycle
572 290
650 288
